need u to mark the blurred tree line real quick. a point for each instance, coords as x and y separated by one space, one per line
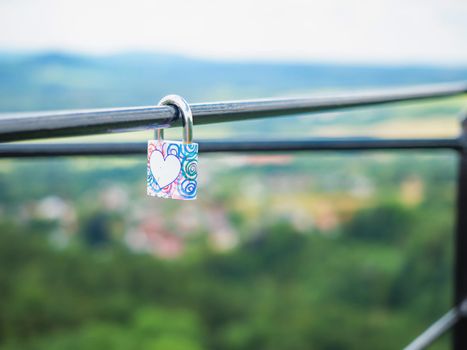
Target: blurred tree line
373 285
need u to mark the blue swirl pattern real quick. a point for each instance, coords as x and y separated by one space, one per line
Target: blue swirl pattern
186 184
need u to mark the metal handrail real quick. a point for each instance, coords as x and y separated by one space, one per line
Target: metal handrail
35 125
14 150
440 327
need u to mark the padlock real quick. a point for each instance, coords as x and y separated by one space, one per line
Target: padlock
173 165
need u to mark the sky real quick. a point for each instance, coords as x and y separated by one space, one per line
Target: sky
365 31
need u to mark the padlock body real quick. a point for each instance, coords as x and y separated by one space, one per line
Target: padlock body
172 169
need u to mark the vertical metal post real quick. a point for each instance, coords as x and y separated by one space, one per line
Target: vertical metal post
460 258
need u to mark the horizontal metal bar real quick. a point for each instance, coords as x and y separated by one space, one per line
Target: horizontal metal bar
438 328
23 126
11 150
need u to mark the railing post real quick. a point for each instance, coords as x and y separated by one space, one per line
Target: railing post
460 259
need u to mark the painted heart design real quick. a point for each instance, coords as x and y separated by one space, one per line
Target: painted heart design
165 170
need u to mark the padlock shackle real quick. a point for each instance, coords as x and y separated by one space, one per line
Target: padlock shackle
184 112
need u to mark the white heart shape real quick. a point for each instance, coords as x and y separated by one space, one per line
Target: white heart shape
165 171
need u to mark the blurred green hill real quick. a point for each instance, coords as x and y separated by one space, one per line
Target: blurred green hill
59 80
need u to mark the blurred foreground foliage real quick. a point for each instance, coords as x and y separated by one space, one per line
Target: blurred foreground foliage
373 281
279 290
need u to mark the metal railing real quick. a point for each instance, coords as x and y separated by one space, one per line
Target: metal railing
14 150
23 126
26 126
